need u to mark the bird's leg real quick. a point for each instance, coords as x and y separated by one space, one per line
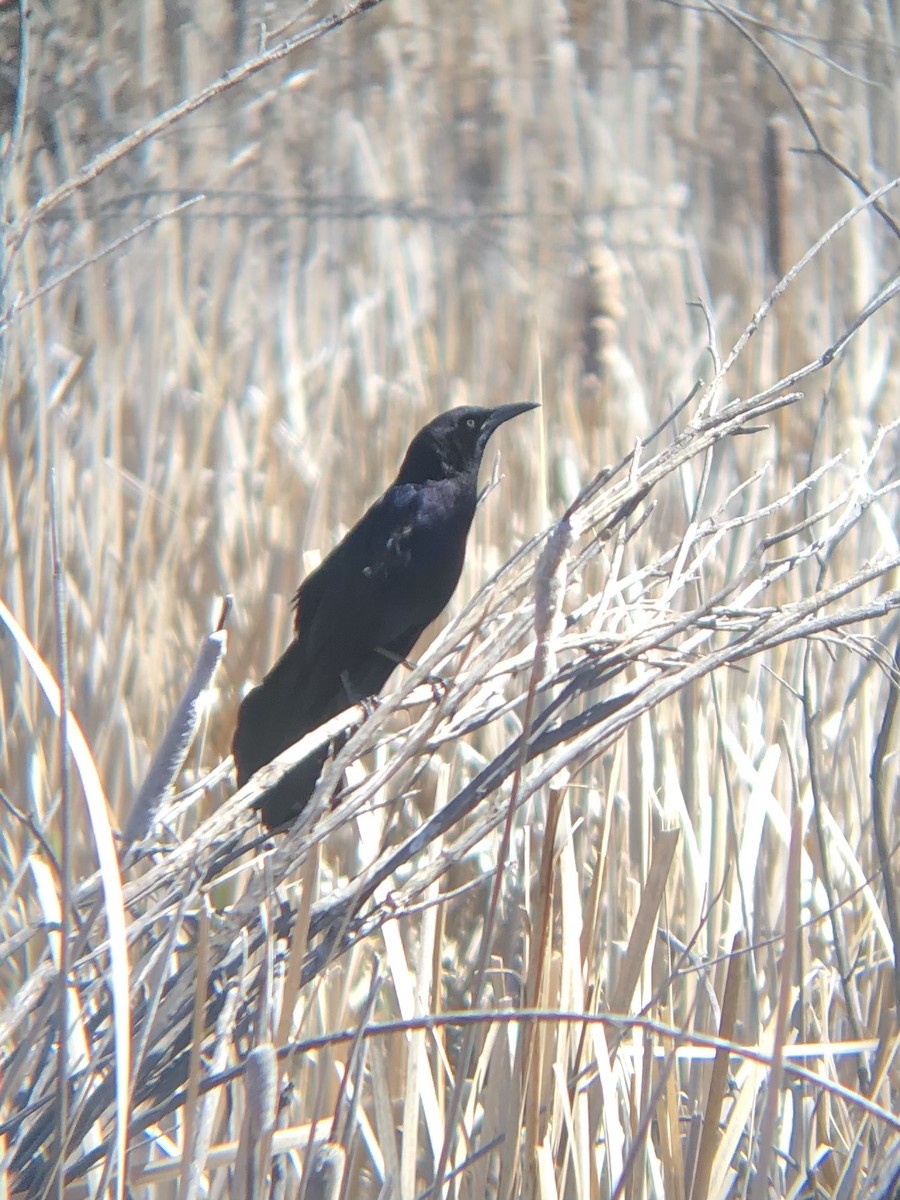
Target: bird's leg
369 705
338 794
439 686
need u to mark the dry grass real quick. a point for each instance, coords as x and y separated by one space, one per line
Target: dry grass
608 908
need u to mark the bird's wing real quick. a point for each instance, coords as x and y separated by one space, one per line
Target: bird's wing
346 613
341 597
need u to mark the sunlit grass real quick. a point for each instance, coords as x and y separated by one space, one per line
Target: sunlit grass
602 910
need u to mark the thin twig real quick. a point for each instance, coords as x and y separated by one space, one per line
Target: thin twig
66 826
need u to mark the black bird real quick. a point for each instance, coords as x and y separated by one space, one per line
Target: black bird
361 611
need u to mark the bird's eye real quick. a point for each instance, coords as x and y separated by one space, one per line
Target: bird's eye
471 422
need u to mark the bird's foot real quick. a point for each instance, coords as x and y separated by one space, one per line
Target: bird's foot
439 687
283 924
438 684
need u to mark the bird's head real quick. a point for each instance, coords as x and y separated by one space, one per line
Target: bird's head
453 443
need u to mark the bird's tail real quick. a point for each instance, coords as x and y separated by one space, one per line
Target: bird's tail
270 719
290 795
257 740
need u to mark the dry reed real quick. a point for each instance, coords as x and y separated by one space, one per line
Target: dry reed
608 903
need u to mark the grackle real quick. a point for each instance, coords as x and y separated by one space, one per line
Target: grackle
361 611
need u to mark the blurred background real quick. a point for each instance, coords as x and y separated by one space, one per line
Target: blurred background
579 203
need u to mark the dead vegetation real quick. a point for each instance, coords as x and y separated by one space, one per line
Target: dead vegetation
608 905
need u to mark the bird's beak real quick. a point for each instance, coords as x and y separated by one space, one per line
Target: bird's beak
505 412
